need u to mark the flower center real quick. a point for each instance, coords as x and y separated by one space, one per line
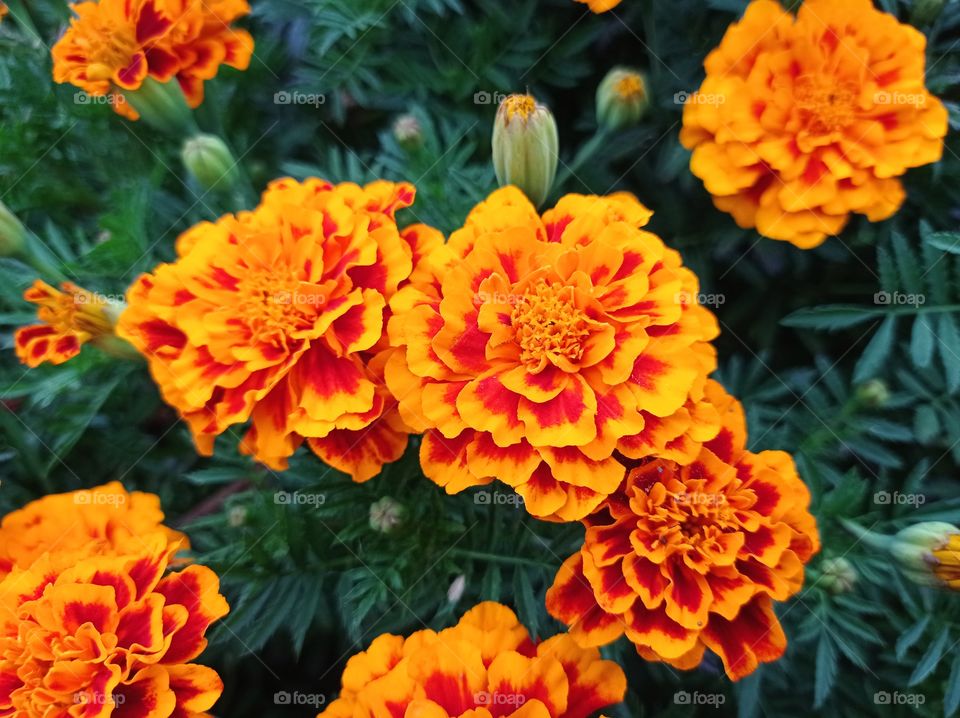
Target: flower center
275 304
519 106
109 50
629 87
549 326
826 106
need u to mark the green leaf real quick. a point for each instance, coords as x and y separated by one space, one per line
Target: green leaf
951 701
527 604
926 424
826 671
950 350
922 342
831 317
931 659
909 637
947 241
877 352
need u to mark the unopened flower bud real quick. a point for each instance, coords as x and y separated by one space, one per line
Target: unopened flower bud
163 106
525 146
13 234
839 575
873 393
386 514
408 132
210 161
237 516
929 553
622 99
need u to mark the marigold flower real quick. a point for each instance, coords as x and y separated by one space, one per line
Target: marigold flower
112 46
686 558
109 635
90 522
801 122
531 349
276 316
928 553
599 6
485 666
69 319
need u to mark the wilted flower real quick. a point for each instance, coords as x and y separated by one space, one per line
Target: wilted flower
532 349
69 319
209 160
485 666
113 46
408 132
802 121
108 635
621 98
688 558
276 317
525 146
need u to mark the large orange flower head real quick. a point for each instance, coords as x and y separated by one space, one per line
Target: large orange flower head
109 635
78 524
802 121
533 348
484 667
69 318
686 558
276 316
114 45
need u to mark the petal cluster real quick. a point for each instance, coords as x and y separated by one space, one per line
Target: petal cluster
802 121
114 45
484 667
276 317
687 558
102 521
69 318
531 349
108 635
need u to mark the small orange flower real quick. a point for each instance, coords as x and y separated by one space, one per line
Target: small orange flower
531 349
276 316
114 45
801 122
686 558
69 319
599 6
485 666
4 11
78 524
109 635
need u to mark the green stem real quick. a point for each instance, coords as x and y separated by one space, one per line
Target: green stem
494 558
586 153
871 539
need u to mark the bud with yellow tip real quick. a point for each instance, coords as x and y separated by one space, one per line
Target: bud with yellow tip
622 99
209 160
928 553
526 146
13 234
163 106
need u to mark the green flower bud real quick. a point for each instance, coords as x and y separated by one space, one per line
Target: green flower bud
385 515
210 161
407 132
874 393
525 146
162 106
13 235
622 99
916 550
839 575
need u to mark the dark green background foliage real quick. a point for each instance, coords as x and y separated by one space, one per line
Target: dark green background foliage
865 395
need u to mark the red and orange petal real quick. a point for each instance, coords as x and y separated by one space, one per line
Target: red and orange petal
276 316
70 317
110 632
486 665
531 349
685 558
99 521
803 121
113 45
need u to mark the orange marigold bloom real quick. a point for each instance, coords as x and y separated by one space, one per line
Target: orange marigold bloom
599 6
78 524
69 319
114 45
801 122
485 666
686 558
531 349
276 316
109 635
